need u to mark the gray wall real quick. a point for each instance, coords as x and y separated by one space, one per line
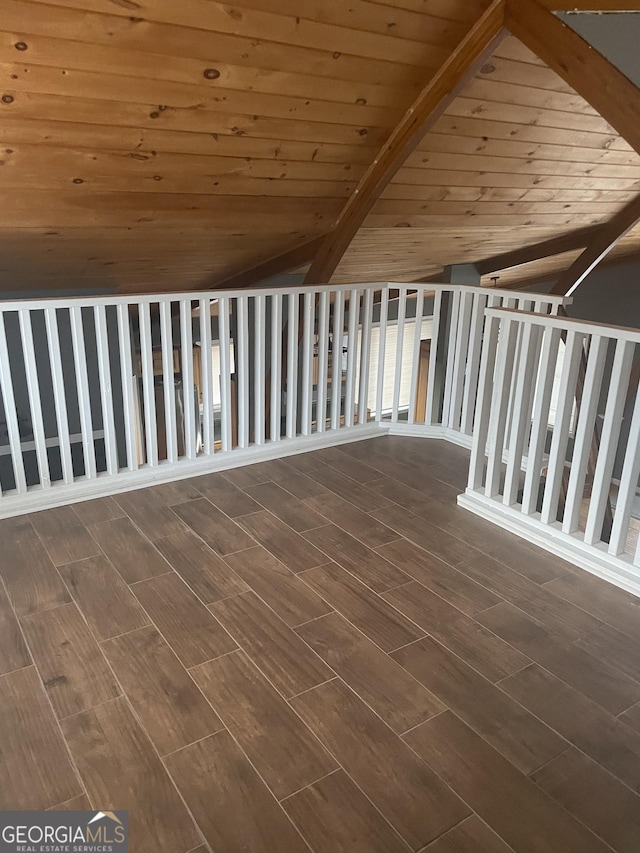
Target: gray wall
615 35
610 294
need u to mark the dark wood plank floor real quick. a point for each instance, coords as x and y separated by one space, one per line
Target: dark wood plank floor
321 653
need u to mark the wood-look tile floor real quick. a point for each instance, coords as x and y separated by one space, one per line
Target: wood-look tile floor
318 653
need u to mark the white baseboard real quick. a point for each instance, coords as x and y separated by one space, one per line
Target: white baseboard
414 430
458 438
595 559
428 431
104 485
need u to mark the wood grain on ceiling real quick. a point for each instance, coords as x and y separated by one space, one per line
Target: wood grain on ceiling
178 142
549 269
162 145
517 159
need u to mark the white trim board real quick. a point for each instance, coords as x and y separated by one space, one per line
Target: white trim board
429 431
37 498
592 558
60 494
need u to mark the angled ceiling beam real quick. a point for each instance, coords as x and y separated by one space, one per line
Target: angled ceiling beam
537 251
433 100
278 265
599 246
580 65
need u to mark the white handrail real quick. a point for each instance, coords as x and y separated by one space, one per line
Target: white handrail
197 295
585 327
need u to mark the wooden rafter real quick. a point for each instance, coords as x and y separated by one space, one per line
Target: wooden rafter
430 104
279 265
598 248
537 251
586 70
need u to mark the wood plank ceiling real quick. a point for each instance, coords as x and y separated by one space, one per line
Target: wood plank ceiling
518 158
163 145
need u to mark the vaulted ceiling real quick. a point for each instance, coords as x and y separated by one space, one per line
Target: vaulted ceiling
165 145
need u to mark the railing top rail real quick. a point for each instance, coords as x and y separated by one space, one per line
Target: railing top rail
180 296
39 303
587 327
549 298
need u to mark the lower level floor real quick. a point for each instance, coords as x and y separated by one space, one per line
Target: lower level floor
320 653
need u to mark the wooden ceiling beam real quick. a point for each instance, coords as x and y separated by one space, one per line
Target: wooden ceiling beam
579 64
536 251
278 265
606 239
431 103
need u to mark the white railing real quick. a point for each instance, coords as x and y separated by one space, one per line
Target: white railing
100 395
556 445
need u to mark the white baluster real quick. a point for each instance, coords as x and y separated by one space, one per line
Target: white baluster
127 379
559 441
432 415
415 358
540 419
483 406
186 351
454 301
636 556
515 372
8 399
584 432
460 359
276 366
259 368
225 373
307 362
323 361
521 420
242 370
628 484
106 392
382 347
365 356
292 366
33 390
60 398
352 342
498 423
82 388
166 340
618 386
148 390
206 372
336 358
473 363
402 308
